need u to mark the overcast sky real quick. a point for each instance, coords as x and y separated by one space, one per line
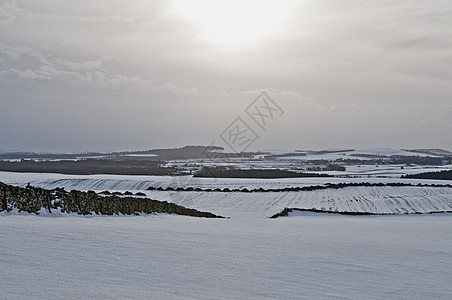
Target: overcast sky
123 75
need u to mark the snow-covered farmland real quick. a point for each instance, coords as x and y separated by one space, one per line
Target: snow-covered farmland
173 257
303 256
134 182
386 199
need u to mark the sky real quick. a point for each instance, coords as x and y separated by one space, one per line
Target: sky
134 75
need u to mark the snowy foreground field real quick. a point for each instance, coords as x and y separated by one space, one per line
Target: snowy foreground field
174 257
249 256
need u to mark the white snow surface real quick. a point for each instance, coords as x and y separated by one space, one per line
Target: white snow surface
303 256
175 257
135 182
389 152
355 154
388 200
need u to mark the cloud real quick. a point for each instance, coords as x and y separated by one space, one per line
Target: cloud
15 52
31 64
288 97
363 71
10 12
24 74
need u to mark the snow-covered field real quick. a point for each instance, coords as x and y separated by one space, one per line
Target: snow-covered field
134 182
174 257
363 163
389 200
398 200
303 256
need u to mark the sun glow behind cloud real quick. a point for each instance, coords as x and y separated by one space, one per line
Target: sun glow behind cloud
345 72
235 21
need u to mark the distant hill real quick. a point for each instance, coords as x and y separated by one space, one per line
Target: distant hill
186 152
437 152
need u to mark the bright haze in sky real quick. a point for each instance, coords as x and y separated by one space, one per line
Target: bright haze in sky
133 75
